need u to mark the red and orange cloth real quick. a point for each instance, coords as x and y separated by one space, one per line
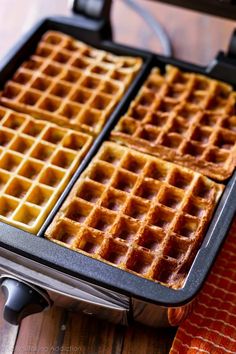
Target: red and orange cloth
211 327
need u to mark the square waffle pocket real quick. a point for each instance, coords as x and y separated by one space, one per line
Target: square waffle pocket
184 118
138 213
37 159
70 83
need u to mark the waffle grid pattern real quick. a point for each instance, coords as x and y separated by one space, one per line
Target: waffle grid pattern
138 213
37 160
184 118
70 83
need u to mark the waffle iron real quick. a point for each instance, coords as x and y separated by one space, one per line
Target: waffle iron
36 274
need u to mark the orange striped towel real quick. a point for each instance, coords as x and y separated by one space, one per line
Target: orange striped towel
211 327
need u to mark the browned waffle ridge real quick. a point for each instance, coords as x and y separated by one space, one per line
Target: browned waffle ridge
37 159
138 213
184 118
70 83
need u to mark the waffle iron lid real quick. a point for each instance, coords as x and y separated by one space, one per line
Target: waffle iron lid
101 8
222 8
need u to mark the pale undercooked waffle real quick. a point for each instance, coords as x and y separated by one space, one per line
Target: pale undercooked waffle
70 83
184 118
138 213
36 161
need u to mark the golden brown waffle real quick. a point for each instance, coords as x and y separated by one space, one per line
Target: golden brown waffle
70 83
138 213
184 118
36 161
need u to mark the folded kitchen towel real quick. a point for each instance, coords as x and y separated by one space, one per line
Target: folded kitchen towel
211 327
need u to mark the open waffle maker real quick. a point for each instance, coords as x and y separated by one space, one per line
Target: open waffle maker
81 158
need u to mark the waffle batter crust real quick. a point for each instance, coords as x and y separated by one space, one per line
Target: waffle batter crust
137 212
184 118
70 83
37 160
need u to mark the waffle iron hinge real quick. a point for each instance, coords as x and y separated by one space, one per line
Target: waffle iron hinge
223 67
97 13
96 9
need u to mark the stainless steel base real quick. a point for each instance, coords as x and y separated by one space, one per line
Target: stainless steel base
79 295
